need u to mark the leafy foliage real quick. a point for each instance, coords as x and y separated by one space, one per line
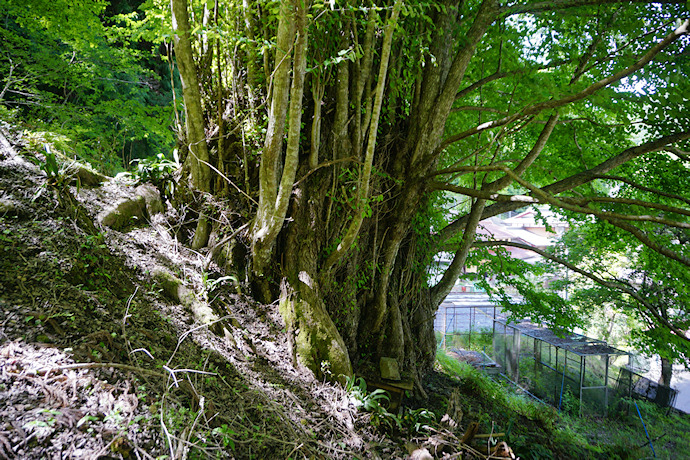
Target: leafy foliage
410 422
158 171
70 72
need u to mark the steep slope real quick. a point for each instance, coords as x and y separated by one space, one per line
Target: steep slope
96 361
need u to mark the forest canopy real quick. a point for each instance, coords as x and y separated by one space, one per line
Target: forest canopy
325 143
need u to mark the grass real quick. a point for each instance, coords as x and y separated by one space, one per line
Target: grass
537 431
478 341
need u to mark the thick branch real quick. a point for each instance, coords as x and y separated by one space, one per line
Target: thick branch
196 134
295 119
613 218
483 194
273 144
565 204
450 276
526 162
573 181
271 215
478 109
423 150
579 203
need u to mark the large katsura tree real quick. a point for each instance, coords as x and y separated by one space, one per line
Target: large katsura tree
339 132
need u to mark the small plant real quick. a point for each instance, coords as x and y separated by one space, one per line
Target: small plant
158 171
357 389
226 434
570 404
210 284
57 176
326 369
90 261
418 420
376 404
50 165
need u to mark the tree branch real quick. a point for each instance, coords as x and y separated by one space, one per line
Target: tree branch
450 276
565 204
556 5
628 201
499 75
685 156
573 181
500 184
590 90
644 239
363 190
423 151
617 285
477 109
483 194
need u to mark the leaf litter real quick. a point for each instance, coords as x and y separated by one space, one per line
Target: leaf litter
95 362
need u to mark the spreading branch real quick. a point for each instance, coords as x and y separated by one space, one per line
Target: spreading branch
565 203
590 90
573 181
614 284
643 188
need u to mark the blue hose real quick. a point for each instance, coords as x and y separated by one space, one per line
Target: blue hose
560 399
645 429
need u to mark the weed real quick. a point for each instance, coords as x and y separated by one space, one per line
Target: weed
226 434
159 172
57 175
376 403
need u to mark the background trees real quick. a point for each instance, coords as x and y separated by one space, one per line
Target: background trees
76 70
339 129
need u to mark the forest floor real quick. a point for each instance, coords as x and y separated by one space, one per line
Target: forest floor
98 361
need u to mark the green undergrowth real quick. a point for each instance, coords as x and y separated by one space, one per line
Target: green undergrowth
538 431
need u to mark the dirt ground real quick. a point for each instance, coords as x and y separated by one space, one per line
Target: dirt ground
96 362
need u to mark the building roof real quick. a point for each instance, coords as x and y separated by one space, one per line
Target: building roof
576 343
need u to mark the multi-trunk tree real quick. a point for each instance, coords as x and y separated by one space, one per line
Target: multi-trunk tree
337 131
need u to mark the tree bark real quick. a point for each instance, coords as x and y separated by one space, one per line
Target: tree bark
194 118
666 372
317 341
273 196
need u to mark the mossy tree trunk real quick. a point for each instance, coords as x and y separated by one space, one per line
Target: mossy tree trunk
341 184
197 158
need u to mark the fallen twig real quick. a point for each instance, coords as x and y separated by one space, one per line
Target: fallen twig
124 367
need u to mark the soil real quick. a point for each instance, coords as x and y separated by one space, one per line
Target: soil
95 362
